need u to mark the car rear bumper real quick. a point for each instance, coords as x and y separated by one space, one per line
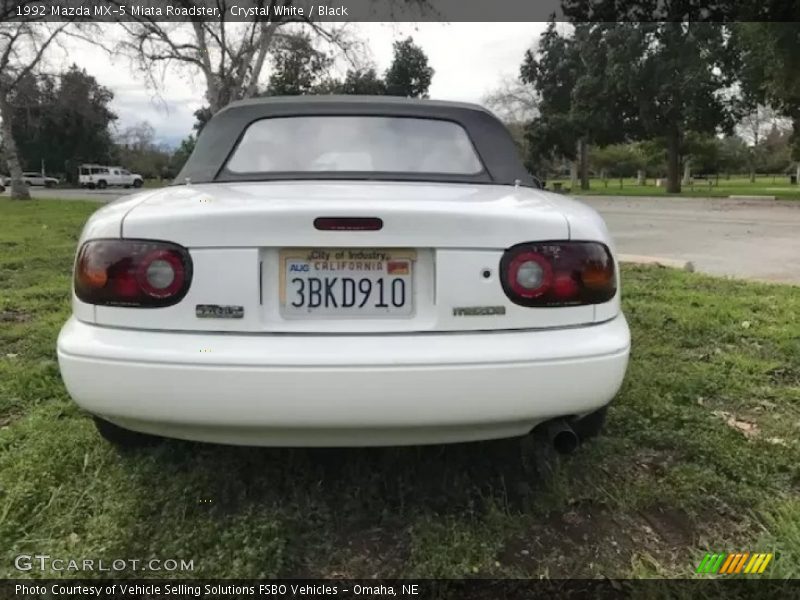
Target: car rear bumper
329 390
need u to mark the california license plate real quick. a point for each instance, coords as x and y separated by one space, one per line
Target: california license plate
347 282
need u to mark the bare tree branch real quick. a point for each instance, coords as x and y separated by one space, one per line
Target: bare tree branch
231 56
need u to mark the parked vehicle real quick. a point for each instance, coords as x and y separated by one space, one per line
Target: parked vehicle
101 177
346 271
31 178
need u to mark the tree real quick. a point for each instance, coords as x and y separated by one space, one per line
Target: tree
618 160
513 101
139 152
62 121
409 74
774 151
231 56
298 67
770 70
579 105
202 116
676 73
734 155
701 153
182 154
365 82
22 47
756 122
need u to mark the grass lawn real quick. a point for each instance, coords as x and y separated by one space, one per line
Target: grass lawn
767 185
700 453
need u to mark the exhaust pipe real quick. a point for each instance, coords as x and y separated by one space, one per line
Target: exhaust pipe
562 437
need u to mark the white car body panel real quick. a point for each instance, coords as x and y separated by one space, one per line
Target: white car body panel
355 390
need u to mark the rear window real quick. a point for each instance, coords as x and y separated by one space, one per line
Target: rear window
360 144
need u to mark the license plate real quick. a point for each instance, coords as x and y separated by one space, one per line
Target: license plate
347 282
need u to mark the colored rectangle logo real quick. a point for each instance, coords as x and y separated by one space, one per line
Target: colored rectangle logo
724 563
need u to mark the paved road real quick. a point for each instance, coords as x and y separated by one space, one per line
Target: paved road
106 195
756 239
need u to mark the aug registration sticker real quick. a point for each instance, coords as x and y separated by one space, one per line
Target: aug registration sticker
347 282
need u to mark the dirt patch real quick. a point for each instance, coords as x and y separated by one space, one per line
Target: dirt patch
6 420
672 526
655 462
14 316
365 553
785 376
588 540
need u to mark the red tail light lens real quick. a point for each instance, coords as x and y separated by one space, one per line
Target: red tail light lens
558 273
136 273
348 223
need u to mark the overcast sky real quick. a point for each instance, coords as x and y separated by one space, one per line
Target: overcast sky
470 59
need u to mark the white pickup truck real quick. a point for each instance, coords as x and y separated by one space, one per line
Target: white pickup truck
101 177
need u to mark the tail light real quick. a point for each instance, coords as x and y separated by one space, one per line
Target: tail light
136 273
558 273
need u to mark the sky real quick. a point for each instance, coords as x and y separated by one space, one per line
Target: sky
469 59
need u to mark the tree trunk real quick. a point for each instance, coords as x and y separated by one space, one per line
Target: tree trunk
583 157
19 191
687 171
641 177
673 163
797 173
573 175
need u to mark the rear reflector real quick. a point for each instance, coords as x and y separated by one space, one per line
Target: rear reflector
135 273
348 223
558 273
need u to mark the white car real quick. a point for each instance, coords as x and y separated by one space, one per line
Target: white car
101 177
346 271
31 179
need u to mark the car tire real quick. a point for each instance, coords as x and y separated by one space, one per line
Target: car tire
49 184
101 185
91 186
590 425
121 437
137 183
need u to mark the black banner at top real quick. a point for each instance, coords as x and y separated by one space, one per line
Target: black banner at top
400 10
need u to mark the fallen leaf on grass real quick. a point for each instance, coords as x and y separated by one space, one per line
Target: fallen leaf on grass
777 442
747 428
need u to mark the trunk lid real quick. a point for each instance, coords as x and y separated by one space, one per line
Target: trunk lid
256 215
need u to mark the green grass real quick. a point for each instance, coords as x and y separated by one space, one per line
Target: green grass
765 185
700 454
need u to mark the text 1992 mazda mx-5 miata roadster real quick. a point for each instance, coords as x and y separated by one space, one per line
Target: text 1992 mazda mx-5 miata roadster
346 271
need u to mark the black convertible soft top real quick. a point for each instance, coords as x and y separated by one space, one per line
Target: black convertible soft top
221 134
